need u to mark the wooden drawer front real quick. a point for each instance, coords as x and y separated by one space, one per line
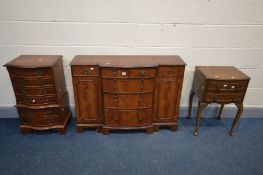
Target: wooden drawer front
47 112
223 98
85 70
34 100
40 82
125 85
20 90
128 73
128 118
170 71
40 121
30 72
128 101
227 86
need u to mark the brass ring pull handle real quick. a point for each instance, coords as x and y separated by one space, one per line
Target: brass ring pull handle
115 98
86 71
142 73
115 87
140 101
114 71
142 84
140 118
218 87
116 118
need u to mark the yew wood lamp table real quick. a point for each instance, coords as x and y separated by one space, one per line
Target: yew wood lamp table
221 85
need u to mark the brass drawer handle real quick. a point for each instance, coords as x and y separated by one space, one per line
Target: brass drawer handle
86 71
116 118
115 87
218 87
115 98
142 73
140 101
221 87
142 84
140 118
114 72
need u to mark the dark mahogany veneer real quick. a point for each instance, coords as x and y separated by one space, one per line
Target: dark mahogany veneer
127 92
39 86
218 84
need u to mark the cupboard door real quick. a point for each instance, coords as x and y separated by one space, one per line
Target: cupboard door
87 94
168 99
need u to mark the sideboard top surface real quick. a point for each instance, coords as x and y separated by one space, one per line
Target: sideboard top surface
127 61
34 61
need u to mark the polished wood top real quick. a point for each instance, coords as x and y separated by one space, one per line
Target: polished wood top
222 73
33 61
127 61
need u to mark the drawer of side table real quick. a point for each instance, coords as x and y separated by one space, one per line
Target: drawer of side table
128 101
131 118
226 86
211 97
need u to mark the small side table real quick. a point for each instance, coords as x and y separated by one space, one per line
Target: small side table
218 84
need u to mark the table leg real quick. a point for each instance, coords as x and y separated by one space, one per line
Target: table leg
201 107
238 115
220 112
190 104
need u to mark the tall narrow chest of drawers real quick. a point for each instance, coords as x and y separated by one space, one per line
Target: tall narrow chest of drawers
127 92
39 86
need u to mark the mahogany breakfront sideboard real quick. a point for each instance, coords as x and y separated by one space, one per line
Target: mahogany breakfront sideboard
127 92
